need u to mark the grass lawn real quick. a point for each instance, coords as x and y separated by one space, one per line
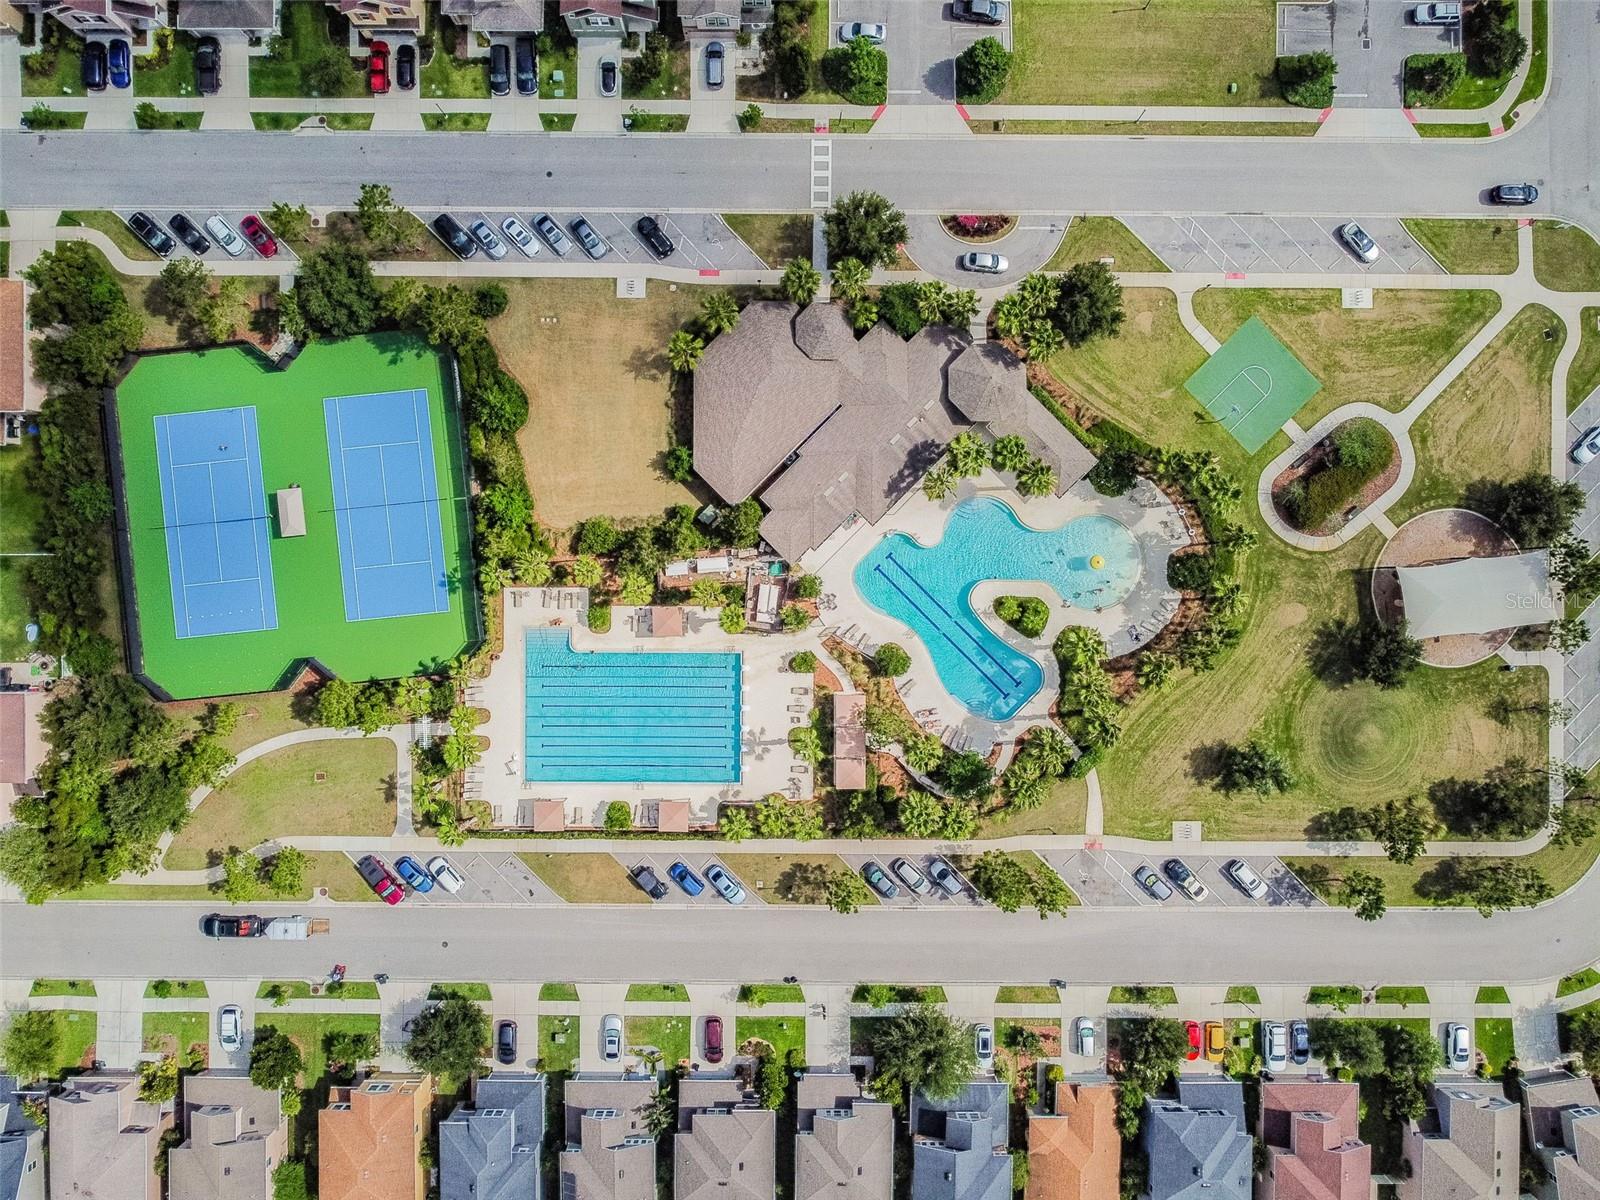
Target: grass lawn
306 35
898 993
143 891
67 120
1242 994
164 119
1539 64
1402 996
558 1043
466 991
177 1033
66 79
308 1030
1156 995
332 871
76 1029
638 121
1492 422
1385 354
757 87
789 878
585 878
1468 247
20 510
669 83
759 994
1112 52
1028 994
300 989
1495 1038
558 991
1583 376
415 242
455 122
1065 810
333 789
262 715
1089 128
673 993
174 79
61 987
775 237
563 59
1492 995
602 406
446 77
1438 129
1089 239
1578 981
1565 257
1334 994
279 122
192 989
669 1035
783 1033
558 122
113 227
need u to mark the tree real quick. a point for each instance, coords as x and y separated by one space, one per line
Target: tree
1352 1045
967 454
740 525
731 619
1383 654
891 660
1569 634
450 1039
1038 478
719 312
749 117
858 71
1254 767
291 222
1573 823
850 279
1506 884
1307 79
866 226
619 817
794 618
1010 453
490 300
734 823
1088 303
1493 40
845 890
924 752
635 587
31 1044
158 1080
1511 800
449 316
220 315
939 482
185 284
1403 826
684 351
981 71
800 281
1155 669
74 287
923 1050
1582 1029
275 1061
335 292
1536 509
241 872
349 1048
377 214
1364 892
1151 1050
807 743
1009 885
585 571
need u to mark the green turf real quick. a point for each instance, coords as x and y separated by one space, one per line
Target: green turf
759 994
1336 994
784 1033
1402 996
1027 994
1250 405
674 993
1490 994
306 575
180 989
558 991
61 987
558 1055
1495 1037
1576 982
20 509
1158 995
1242 993
465 991
669 1035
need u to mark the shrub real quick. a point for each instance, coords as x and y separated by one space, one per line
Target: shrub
489 300
806 587
1364 444
42 116
981 71
1307 79
898 309
732 618
1192 572
1115 473
794 618
619 817
858 71
1028 615
803 663
1432 77
749 117
597 535
600 616
892 660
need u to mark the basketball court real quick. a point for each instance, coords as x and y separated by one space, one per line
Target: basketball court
1252 385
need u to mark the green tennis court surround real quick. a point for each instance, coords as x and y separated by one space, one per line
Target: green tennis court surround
289 410
1252 385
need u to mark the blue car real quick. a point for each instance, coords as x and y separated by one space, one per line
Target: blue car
414 873
121 61
686 879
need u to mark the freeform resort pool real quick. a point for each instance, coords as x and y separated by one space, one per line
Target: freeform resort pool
1092 561
629 718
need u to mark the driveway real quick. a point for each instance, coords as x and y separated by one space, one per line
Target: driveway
703 240
922 44
1243 243
1028 246
1371 41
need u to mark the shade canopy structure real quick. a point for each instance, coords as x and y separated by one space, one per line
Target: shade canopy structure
1477 595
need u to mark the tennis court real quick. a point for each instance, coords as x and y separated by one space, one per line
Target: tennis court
386 505
213 509
1252 385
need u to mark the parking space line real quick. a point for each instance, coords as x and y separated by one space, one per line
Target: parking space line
1267 254
1300 250
684 242
1201 233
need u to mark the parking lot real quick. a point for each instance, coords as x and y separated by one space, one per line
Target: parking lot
660 860
922 43
702 241
1248 244
937 897
1582 684
216 253
1105 879
490 879
1370 40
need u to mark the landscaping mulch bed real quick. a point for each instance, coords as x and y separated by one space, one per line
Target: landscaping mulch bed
978 229
1319 456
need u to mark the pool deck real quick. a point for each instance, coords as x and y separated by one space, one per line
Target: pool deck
773 702
1153 520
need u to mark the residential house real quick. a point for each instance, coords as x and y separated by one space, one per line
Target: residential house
235 1135
608 1154
610 18
111 18
21 1147
382 16
489 1150
1563 1124
843 1142
959 1146
1466 1147
1075 1152
1197 1146
369 1139
726 1144
22 745
253 18
724 16
1314 1149
496 16
103 1139
15 394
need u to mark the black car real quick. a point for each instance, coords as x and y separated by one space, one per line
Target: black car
95 70
660 244
208 66
1300 1042
649 882
527 67
878 881
151 234
505 1042
608 77
978 12
405 67
499 69
1513 193
228 925
458 239
189 233
714 59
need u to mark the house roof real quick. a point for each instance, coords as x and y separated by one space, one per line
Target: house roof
693 10
664 620
22 745
226 14
21 1142
12 351
989 386
1470 1136
609 1154
367 1138
549 816
1312 1135
672 816
1547 1095
1075 1153
959 1145
1197 1153
612 8
103 1138
1477 595
849 741
234 1132
725 1152
1224 1095
490 1150
844 1144
497 16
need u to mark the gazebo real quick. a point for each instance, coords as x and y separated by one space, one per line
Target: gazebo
1477 595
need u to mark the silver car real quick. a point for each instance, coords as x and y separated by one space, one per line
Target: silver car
988 264
444 874
983 1043
591 241
546 228
229 1027
1360 241
223 235
611 1038
1275 1045
1085 1032
1245 878
943 874
491 244
1588 445
1457 1047
906 872
517 234
854 29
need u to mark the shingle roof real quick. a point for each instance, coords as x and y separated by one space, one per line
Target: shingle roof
21 1142
1198 1152
609 1155
844 1144
1076 1153
234 1131
11 345
497 16
1465 1146
725 1145
226 14
1546 1095
103 1138
1314 1146
490 1151
959 1147
1224 1095
367 1138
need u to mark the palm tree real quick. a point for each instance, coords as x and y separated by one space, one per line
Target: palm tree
938 483
801 281
1038 478
960 306
1042 339
850 278
932 297
719 312
684 351
493 578
969 454
1010 453
1051 748
1037 294
1155 669
1011 319
863 315
1078 646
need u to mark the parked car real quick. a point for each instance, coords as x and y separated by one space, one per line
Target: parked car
1587 446
878 881
232 925
984 262
649 882
1216 1041
119 63
378 68
414 873
208 66
492 245
729 888
1513 193
527 67
499 69
1300 1042
1084 1030
1151 882
551 233
223 235
453 235
907 873
978 12
1436 14
863 29
715 55
611 1037
94 69
1191 1031
1245 878
944 876
655 237
1178 871
230 1027
1274 1045
591 242
686 879
713 1039
1360 242
260 236
405 67
1457 1047
608 77
151 234
188 233
445 875
983 1043
378 878
505 1042
517 234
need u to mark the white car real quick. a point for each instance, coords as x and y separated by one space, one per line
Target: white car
1360 241
492 246
873 33
445 875
1588 445
1275 1045
1457 1047
229 1027
611 1038
983 1043
1244 876
988 264
1084 1029
223 235
517 233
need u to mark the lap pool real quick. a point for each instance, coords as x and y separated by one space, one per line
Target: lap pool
1093 562
629 718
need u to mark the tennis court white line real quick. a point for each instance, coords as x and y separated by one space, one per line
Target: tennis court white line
172 485
258 489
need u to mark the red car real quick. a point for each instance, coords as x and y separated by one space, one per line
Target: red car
713 1039
378 68
266 245
1192 1030
376 872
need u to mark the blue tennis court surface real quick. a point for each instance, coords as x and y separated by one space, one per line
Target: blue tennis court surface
214 508
629 718
386 505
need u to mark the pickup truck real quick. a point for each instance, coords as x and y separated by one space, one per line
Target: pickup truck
978 12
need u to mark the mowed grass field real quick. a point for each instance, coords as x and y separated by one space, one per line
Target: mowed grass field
1350 745
1089 239
1492 422
1472 246
1583 376
1114 52
20 510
